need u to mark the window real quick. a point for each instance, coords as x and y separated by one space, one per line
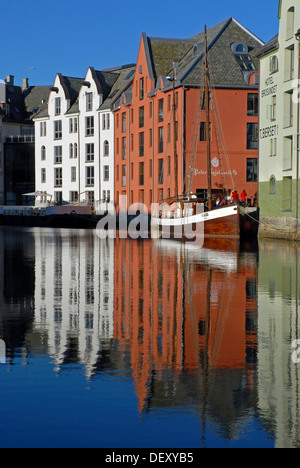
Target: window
75 150
245 62
71 151
161 110
43 153
141 144
73 197
273 108
57 129
141 173
43 176
252 105
123 176
73 125
89 126
73 174
252 136
141 117
289 65
90 197
169 165
160 140
141 88
57 105
89 152
43 129
58 197
106 148
105 122
290 23
131 142
160 171
288 116
124 122
90 175
287 153
58 177
273 147
274 65
251 170
57 154
242 56
124 148
150 137
106 173
203 131
89 101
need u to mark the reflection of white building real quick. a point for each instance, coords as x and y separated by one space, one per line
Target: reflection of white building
74 294
278 327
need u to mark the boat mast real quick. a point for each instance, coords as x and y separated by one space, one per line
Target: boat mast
209 197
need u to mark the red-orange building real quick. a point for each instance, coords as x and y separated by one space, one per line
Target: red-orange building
170 74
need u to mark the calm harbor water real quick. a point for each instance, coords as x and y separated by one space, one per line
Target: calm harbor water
126 343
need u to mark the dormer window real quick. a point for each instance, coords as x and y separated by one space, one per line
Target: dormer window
195 50
57 106
89 101
244 59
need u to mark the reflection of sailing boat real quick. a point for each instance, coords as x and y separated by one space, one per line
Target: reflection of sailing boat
189 209
224 260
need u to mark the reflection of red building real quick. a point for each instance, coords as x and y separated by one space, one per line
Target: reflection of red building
172 311
145 130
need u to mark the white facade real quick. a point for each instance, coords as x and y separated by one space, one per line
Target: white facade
74 149
280 117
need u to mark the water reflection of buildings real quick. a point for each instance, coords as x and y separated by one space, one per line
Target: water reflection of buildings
197 329
278 327
74 295
190 313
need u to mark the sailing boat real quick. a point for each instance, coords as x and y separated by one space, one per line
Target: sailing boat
187 212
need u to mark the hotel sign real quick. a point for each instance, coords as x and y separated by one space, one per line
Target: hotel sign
270 89
269 132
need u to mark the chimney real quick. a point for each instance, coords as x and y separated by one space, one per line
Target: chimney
25 84
10 79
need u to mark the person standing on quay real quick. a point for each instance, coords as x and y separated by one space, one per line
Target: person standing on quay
243 198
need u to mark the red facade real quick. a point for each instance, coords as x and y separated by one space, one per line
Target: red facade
147 136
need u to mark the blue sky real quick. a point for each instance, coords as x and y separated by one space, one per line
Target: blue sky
41 37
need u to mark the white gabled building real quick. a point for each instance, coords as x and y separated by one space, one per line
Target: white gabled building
75 138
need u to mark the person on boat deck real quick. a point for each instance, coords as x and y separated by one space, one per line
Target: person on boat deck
243 198
235 196
220 202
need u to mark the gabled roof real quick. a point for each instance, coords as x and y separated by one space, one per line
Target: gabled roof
124 78
273 44
24 104
189 54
